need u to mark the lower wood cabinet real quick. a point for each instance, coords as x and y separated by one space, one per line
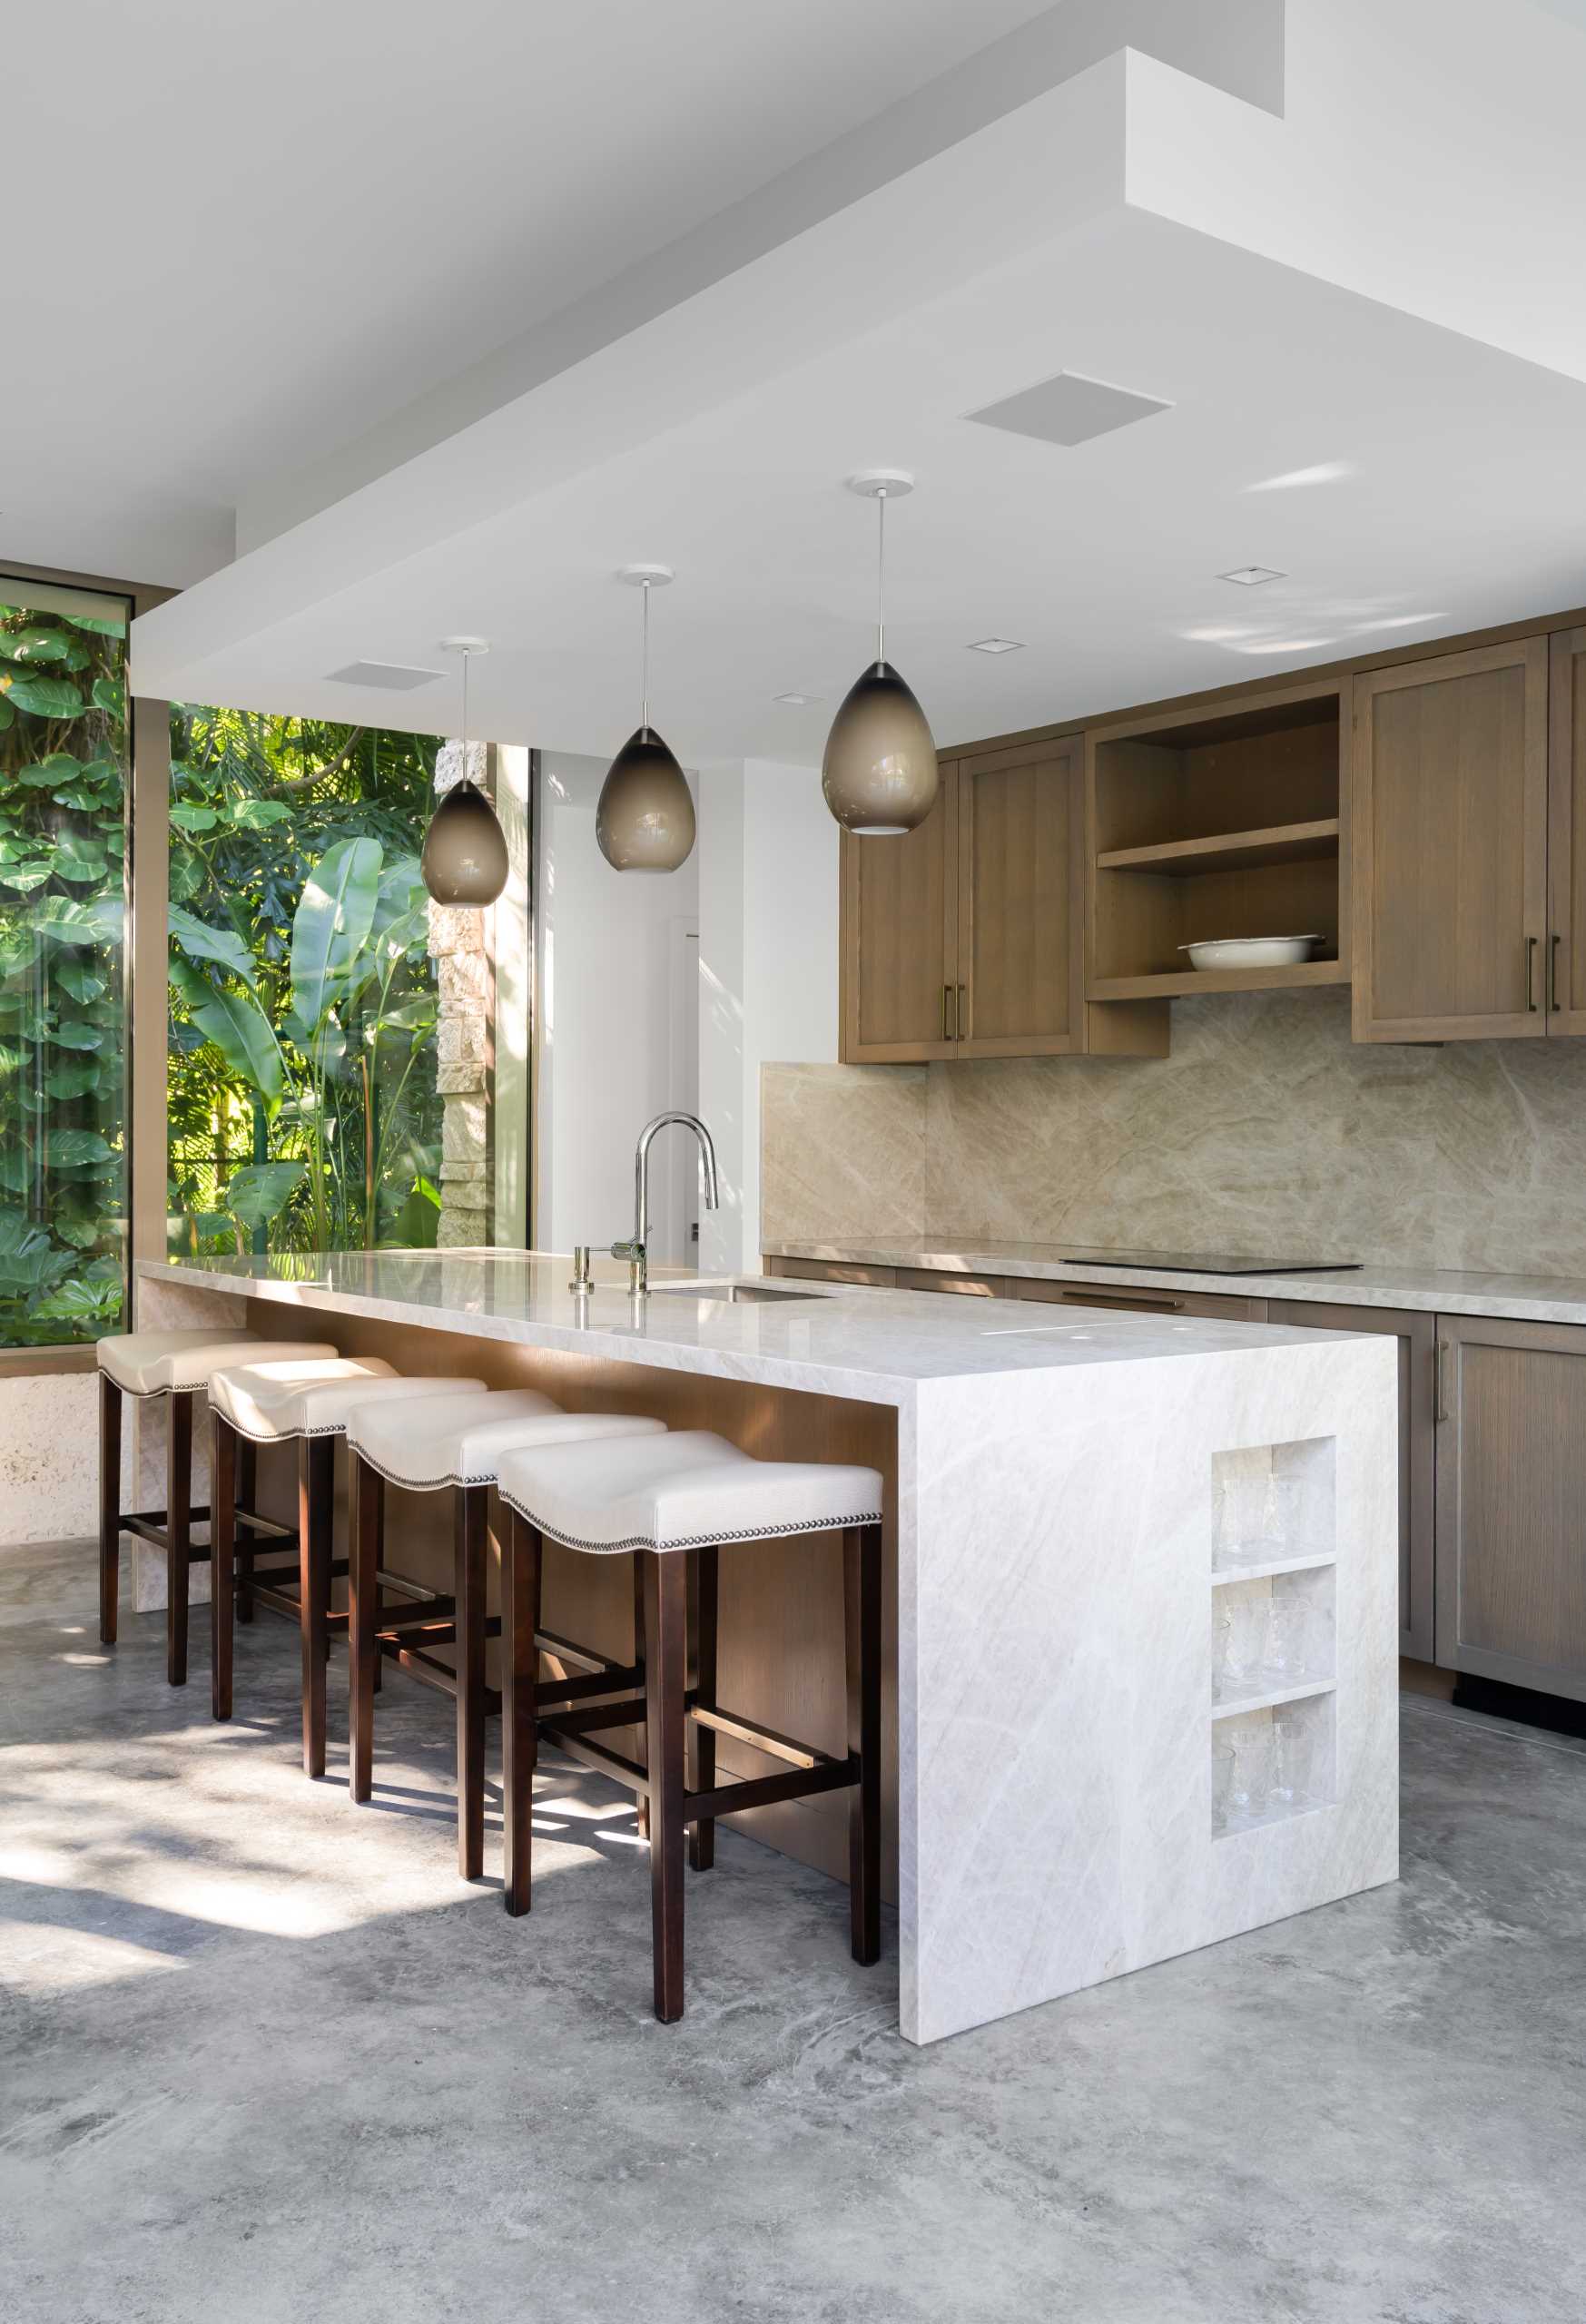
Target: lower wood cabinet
1229 1306
1511 1503
1417 1337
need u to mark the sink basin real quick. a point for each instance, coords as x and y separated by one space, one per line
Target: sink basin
731 1294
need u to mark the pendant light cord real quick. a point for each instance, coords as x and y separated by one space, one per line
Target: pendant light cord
880 576
466 659
645 689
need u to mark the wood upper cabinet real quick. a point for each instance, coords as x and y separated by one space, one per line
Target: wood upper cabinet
1449 815
1565 999
1020 909
1511 1503
899 962
965 938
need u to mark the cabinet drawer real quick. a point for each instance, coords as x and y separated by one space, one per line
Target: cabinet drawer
1226 1305
833 1271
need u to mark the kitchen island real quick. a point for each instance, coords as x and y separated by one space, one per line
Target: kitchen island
1081 1513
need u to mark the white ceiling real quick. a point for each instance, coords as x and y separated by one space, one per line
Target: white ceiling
1340 236
260 227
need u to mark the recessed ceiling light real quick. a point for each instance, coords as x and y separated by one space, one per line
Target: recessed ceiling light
998 646
1250 576
796 700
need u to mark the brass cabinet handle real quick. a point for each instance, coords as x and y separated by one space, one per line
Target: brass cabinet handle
1114 1299
1553 977
1531 973
946 1012
1440 1382
961 1019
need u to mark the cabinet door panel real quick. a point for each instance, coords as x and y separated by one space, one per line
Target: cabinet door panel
900 939
1512 1503
1449 821
1566 994
1416 1335
1021 901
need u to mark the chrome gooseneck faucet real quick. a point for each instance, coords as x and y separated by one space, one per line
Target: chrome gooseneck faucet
637 1252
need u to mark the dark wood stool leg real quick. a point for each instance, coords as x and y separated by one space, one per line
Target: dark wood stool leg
641 1806
223 1560
316 1505
247 1498
470 1512
178 1532
109 1506
702 1740
861 1574
368 1494
519 1681
666 1645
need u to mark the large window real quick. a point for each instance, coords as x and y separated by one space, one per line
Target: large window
304 1106
63 1045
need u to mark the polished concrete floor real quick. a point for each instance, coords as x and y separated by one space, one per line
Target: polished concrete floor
263 2058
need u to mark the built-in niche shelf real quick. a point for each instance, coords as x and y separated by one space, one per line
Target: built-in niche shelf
1226 825
1274 1633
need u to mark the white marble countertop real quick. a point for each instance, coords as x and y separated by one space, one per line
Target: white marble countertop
1527 1298
877 1345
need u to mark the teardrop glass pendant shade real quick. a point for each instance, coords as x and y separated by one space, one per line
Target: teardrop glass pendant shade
880 773
645 821
465 851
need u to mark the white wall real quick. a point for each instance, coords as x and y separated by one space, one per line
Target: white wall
768 924
614 952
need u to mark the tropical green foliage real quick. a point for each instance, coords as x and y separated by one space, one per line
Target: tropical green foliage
63 1180
303 1110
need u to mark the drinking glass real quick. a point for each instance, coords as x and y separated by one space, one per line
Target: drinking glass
1222 1784
1250 1788
1234 1647
1290 1763
1290 1647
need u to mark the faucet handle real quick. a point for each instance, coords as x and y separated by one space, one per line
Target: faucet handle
635 1252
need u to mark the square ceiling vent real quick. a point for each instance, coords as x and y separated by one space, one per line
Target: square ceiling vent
394 676
1069 409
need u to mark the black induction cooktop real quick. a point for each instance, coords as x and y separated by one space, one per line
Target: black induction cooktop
1206 1263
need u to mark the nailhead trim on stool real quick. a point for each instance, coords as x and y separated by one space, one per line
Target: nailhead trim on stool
673 1500
455 1441
280 1400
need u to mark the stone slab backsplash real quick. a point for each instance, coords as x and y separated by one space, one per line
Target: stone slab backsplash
1267 1131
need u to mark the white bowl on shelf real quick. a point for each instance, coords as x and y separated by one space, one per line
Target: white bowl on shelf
1250 951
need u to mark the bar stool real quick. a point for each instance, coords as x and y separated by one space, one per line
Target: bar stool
176 1365
671 1500
286 1400
452 1443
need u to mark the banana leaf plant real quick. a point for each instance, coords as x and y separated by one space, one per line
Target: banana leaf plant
329 1073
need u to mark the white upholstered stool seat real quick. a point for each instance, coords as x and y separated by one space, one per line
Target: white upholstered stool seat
455 1441
176 1365
276 1398
674 1502
148 1363
459 1440
687 1491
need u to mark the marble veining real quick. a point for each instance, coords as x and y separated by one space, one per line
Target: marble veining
1268 1129
1058 1478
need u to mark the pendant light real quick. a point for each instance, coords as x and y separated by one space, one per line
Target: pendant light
880 773
465 853
645 821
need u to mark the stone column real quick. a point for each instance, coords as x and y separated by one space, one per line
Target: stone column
456 943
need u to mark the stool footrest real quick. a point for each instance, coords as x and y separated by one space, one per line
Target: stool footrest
553 1692
766 1791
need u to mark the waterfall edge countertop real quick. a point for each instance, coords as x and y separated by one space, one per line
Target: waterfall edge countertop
1448 1290
832 1339
1078 1499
